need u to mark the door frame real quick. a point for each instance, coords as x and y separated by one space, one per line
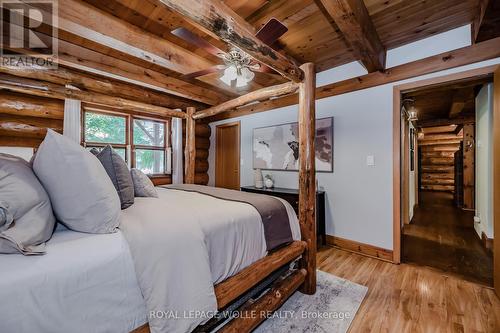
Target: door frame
231 124
399 188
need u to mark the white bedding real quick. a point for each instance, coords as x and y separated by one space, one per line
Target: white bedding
87 283
182 244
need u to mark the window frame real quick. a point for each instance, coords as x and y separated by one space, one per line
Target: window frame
164 148
130 148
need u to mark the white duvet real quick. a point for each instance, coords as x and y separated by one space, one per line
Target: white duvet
182 244
87 283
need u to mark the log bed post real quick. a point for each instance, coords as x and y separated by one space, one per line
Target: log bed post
307 175
190 151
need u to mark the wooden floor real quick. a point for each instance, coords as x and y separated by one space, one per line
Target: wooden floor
409 298
443 237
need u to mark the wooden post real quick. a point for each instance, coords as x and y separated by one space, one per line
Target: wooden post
190 151
307 174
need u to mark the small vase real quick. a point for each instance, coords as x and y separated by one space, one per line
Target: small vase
258 180
269 183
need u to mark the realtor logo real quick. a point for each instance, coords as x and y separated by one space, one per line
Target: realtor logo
29 33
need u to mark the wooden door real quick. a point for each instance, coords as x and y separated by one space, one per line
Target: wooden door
227 158
496 182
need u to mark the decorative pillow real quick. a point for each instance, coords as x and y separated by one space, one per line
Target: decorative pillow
82 195
94 151
119 174
26 218
143 186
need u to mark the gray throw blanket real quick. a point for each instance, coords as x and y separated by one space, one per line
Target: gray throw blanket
272 211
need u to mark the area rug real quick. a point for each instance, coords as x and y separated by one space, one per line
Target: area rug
331 309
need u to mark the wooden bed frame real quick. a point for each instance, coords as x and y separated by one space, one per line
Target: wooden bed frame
22 81
305 277
216 17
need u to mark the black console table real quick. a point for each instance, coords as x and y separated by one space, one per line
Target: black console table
292 196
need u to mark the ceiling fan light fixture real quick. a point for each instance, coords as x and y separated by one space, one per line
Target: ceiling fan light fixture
230 74
241 81
239 68
247 74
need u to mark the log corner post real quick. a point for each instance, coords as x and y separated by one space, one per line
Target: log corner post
307 174
190 150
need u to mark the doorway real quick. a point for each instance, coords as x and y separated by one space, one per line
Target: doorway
227 159
440 229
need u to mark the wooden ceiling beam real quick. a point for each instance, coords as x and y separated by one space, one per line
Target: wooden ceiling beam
104 36
65 76
51 90
464 56
478 19
105 29
78 57
261 94
445 122
458 102
222 21
353 20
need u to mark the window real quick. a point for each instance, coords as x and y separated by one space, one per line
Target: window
142 142
149 146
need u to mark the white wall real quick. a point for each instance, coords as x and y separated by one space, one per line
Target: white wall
440 43
359 197
484 161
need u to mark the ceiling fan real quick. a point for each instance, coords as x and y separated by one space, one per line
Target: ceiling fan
238 67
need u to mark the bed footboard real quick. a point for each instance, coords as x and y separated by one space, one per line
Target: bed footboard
253 313
235 286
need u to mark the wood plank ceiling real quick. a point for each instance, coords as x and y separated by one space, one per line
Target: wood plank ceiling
311 36
135 41
451 101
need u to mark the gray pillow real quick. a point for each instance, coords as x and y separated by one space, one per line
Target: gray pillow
94 151
26 218
82 195
143 186
119 174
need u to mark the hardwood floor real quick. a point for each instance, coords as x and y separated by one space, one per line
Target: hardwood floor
409 298
443 237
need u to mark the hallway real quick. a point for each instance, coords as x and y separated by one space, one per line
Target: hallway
442 236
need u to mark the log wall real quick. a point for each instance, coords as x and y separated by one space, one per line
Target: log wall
202 144
437 159
24 119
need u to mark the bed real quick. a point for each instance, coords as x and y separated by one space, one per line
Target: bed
87 283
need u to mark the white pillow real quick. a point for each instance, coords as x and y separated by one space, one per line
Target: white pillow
81 192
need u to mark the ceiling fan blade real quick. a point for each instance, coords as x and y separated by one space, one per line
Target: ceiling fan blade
203 72
196 40
271 31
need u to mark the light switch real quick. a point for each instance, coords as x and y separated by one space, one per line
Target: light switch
370 160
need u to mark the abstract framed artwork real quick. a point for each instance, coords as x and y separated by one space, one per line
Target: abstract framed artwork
277 147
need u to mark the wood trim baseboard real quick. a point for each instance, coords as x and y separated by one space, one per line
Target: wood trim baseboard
360 248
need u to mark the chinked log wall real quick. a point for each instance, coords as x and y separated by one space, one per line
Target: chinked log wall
202 144
437 161
24 119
